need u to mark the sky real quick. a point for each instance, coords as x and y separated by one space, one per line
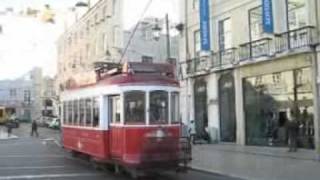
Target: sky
27 42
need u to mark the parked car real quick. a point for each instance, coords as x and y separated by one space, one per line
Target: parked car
55 123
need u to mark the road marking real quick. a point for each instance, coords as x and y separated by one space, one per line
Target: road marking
49 176
33 156
31 167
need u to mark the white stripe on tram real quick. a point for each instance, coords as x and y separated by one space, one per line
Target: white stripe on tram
49 176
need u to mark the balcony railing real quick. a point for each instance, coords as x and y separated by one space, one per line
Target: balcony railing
297 38
226 57
199 64
293 39
255 49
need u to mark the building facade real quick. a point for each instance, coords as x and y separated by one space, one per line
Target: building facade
252 83
145 46
26 96
95 36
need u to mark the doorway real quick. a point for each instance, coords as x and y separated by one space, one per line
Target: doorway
227 108
200 106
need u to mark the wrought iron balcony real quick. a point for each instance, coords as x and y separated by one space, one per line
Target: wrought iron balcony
255 49
225 57
297 38
198 64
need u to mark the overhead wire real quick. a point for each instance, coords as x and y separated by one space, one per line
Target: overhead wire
135 30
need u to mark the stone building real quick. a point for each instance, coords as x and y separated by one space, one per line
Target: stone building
250 83
25 96
95 36
146 47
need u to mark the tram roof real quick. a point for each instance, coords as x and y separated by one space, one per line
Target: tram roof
134 74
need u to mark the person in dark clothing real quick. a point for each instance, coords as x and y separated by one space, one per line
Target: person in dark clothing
293 129
9 128
34 128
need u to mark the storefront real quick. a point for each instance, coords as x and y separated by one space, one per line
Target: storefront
272 96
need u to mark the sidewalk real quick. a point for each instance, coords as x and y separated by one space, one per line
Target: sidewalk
256 163
4 135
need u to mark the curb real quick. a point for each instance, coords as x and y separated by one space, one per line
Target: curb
209 171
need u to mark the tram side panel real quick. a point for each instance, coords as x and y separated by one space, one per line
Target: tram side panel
138 147
88 141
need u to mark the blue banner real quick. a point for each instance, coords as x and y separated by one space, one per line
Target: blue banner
267 16
205 25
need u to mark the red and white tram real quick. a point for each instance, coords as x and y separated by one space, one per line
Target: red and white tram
130 117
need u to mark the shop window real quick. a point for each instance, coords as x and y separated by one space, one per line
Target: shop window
134 102
158 107
114 109
269 106
175 107
96 111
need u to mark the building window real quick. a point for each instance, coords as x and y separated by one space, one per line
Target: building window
158 107
255 23
197 43
27 96
114 109
147 59
134 102
105 42
225 34
297 13
13 92
116 30
195 4
114 6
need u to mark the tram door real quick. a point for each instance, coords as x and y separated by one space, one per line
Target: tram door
200 106
114 111
227 108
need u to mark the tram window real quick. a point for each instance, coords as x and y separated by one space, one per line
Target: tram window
175 107
1 112
96 112
88 118
75 120
70 112
82 112
114 109
158 107
134 107
64 111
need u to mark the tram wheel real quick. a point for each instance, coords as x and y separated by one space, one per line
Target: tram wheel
74 154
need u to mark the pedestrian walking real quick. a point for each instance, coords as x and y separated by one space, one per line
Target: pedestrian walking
9 128
293 129
34 128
